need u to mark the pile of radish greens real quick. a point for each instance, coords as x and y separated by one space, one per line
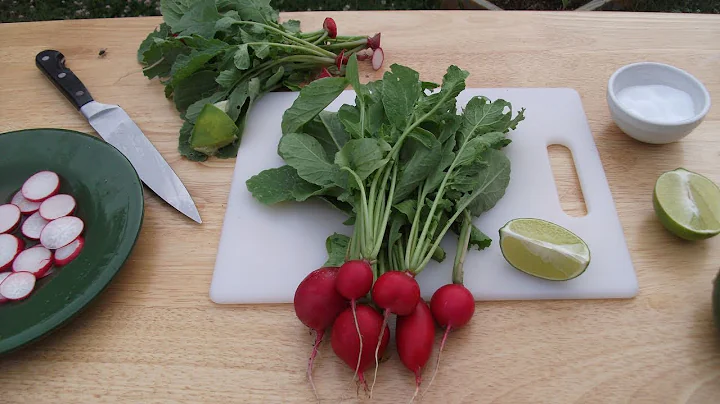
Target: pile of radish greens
406 168
230 52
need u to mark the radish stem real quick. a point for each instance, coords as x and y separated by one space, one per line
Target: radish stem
286 35
291 47
346 45
463 241
320 39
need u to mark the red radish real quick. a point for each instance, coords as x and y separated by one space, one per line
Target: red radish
346 343
354 280
9 218
41 186
36 260
26 206
330 26
3 275
341 59
61 232
33 226
396 292
377 58
64 255
324 73
452 306
373 42
17 285
57 206
317 304
414 336
10 247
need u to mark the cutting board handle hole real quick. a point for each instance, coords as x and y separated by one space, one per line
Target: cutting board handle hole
567 182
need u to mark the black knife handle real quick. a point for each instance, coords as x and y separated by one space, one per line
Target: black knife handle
52 64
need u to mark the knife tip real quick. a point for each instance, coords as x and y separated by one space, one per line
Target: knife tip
194 215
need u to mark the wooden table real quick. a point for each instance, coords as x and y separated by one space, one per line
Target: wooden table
155 337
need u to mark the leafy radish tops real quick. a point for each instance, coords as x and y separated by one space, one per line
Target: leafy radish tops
229 53
402 163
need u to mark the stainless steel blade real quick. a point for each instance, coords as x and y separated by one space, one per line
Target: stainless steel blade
117 128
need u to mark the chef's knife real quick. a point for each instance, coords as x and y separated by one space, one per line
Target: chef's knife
114 125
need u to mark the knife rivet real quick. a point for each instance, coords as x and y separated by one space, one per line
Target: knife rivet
61 75
45 58
79 93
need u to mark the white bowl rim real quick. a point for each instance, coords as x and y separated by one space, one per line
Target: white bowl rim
701 86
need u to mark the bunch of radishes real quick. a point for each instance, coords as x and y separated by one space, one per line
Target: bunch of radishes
328 299
36 213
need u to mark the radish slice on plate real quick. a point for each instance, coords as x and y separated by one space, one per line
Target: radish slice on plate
41 186
61 232
57 206
3 275
64 255
36 260
26 206
10 247
48 272
17 285
9 218
33 225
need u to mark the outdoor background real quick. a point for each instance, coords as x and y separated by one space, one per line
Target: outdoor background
39 10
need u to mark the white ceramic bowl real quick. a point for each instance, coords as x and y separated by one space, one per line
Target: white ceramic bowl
650 130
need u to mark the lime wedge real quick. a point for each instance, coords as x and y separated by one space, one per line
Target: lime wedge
544 249
716 300
213 129
687 204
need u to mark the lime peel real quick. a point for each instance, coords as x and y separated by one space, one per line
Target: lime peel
213 130
687 204
544 249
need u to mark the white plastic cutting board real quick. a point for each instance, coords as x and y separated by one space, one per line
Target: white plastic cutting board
264 252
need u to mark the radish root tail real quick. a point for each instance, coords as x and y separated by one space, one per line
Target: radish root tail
361 378
377 348
437 361
418 380
318 339
357 327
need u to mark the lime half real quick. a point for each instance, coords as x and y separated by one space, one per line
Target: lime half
544 249
687 204
213 130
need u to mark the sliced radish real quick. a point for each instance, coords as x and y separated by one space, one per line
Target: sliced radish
61 232
33 225
64 255
9 218
41 186
57 206
48 272
36 260
17 285
377 58
26 206
10 247
3 275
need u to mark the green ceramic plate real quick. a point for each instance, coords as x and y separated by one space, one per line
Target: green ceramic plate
109 195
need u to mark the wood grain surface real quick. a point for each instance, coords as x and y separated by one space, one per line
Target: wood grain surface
155 337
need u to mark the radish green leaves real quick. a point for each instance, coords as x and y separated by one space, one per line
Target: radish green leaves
234 51
402 163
